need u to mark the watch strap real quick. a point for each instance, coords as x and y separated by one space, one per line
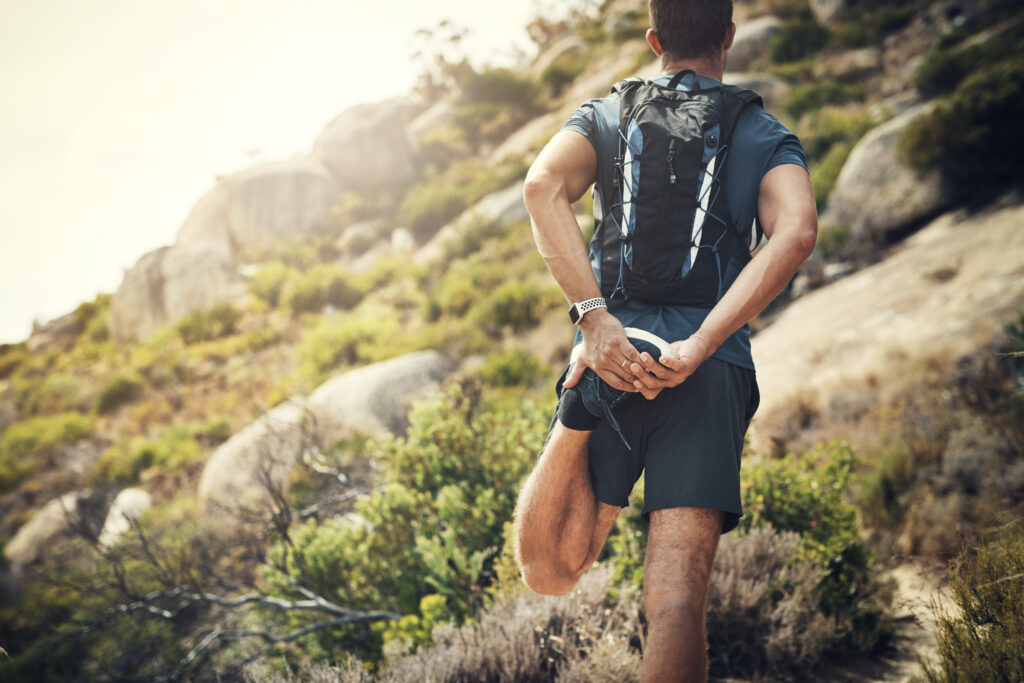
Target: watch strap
578 309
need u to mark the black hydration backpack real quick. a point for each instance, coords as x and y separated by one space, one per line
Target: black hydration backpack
667 236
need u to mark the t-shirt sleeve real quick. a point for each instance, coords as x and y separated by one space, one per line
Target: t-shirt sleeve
583 122
787 151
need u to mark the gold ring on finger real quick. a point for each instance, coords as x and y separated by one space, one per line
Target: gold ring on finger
624 361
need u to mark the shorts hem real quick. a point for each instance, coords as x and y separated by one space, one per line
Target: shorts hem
730 520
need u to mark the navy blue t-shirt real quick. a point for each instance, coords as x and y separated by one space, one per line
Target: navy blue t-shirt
759 143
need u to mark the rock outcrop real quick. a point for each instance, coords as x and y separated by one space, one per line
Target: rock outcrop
876 194
771 89
372 400
827 10
59 518
169 283
259 458
752 40
247 212
59 332
127 507
375 399
943 291
367 148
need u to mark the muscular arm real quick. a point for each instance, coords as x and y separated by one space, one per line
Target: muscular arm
562 172
786 211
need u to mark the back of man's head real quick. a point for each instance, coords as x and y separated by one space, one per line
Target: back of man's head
690 28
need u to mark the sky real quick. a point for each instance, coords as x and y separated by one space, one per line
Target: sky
116 116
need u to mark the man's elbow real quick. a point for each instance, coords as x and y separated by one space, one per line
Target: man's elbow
540 187
807 236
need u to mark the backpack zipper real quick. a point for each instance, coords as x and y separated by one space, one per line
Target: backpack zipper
671 154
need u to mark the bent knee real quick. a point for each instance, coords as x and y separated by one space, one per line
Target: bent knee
548 578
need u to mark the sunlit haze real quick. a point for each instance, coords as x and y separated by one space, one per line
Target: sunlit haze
117 115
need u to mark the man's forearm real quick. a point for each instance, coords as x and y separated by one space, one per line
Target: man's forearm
757 285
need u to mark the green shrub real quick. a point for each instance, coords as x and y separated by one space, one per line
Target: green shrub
219 321
794 72
797 39
25 445
830 127
883 496
268 281
512 368
807 494
426 208
324 285
499 86
808 98
825 173
833 240
354 340
985 640
56 391
11 356
974 137
561 73
945 68
515 304
174 447
433 527
871 27
123 387
437 200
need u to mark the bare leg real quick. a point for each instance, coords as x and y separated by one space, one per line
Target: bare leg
560 524
680 552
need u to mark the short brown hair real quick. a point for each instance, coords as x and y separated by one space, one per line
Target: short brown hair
690 28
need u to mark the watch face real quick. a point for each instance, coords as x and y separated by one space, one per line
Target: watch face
574 313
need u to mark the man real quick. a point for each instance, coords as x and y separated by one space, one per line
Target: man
687 435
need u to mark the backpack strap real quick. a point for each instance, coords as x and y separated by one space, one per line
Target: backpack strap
627 83
734 101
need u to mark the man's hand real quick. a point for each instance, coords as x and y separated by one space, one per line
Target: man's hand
606 351
653 375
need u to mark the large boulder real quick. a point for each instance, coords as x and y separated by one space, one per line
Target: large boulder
169 283
498 209
256 461
771 88
59 332
72 513
375 399
127 507
249 211
752 40
941 293
567 48
367 148
876 194
827 10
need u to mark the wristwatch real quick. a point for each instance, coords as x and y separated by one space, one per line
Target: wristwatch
577 310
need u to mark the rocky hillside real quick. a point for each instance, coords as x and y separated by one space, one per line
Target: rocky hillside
306 304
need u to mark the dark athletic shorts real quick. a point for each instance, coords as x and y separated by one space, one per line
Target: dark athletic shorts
687 441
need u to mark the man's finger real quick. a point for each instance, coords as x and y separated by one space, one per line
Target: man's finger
675 364
652 366
616 381
645 391
647 379
630 352
574 375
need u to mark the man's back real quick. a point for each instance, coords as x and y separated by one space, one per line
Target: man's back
758 144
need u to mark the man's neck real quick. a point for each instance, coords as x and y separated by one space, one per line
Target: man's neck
707 67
